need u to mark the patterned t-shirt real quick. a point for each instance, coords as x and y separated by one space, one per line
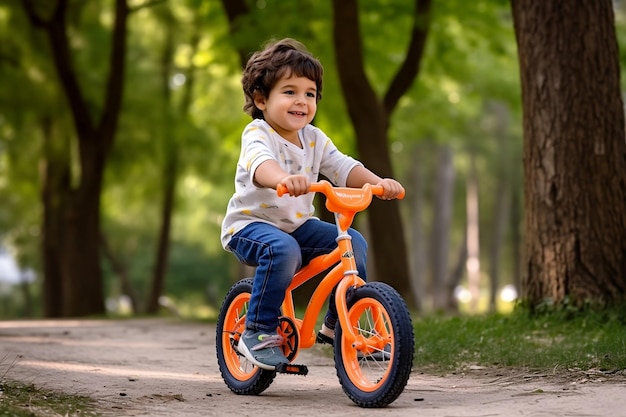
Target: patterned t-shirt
250 203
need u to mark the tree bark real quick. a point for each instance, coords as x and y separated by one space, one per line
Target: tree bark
574 152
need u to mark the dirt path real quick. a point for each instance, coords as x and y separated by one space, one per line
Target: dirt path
168 368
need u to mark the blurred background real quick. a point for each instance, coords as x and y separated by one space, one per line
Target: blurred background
120 124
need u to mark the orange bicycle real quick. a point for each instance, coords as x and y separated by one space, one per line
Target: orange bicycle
374 341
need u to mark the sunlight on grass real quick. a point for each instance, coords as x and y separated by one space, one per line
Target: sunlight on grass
565 340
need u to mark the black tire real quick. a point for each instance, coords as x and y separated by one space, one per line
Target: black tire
370 382
241 376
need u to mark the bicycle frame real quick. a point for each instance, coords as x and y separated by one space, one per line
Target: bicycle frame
306 325
345 203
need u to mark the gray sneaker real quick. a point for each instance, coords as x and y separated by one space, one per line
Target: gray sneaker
262 349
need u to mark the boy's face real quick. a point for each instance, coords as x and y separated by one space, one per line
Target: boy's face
290 105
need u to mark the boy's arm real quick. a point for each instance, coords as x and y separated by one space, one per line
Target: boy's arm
359 176
269 174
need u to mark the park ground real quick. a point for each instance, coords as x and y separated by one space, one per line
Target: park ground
166 367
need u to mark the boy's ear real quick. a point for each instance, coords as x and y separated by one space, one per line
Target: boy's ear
259 101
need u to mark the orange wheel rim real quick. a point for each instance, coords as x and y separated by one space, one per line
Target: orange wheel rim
372 325
234 325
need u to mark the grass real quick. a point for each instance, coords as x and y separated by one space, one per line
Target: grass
552 340
25 400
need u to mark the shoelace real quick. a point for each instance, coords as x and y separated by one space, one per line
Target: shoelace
268 341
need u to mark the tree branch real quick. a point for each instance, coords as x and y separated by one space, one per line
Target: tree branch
115 81
56 30
406 74
360 97
35 19
235 10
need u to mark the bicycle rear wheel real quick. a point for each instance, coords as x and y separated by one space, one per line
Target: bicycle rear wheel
375 375
240 375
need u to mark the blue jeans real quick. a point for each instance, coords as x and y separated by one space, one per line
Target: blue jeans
277 256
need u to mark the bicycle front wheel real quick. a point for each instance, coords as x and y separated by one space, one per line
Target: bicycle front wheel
374 373
239 374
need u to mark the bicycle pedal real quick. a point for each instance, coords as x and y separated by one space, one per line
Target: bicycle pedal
293 369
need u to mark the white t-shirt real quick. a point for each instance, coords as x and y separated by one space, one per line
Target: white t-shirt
259 143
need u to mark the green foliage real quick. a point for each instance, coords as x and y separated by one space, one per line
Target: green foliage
558 340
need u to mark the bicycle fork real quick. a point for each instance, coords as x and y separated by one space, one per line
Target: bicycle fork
350 279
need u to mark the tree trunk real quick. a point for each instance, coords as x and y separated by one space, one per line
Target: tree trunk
574 152
473 235
55 177
502 200
80 254
516 235
370 118
441 226
499 222
169 173
72 206
121 270
170 176
456 275
418 235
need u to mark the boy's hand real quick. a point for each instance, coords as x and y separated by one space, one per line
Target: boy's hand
391 188
296 184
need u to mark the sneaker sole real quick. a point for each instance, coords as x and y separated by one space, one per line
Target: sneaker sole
243 349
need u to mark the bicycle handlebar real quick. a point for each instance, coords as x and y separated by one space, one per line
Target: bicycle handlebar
343 198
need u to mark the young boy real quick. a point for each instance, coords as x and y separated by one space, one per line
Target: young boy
278 235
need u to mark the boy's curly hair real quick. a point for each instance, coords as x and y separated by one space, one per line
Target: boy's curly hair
264 68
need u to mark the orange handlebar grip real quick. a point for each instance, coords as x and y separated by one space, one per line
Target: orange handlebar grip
281 190
378 190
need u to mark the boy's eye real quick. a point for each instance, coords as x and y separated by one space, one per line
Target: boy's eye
290 92
310 95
